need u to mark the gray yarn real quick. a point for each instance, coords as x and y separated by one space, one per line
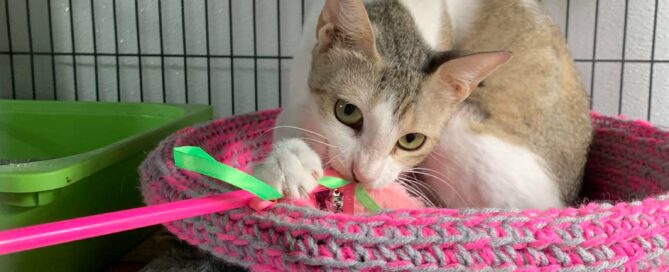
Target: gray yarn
508 248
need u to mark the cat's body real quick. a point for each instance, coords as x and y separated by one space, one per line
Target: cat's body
519 140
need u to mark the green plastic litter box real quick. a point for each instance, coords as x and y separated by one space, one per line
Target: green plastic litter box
61 160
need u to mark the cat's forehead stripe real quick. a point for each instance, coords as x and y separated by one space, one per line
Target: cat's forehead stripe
407 58
400 88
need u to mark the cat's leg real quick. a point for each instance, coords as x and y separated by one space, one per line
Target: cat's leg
481 170
292 167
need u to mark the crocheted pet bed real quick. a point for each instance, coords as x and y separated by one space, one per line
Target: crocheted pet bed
629 160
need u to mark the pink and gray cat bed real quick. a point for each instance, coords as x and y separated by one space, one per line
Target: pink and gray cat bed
182 183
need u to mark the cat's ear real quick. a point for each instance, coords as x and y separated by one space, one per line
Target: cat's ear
346 23
465 73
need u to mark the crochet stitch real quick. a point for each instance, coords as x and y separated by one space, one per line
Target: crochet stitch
628 160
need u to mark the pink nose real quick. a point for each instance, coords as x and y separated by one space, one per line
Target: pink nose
359 176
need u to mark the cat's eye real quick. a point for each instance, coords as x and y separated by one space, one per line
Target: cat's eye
348 114
411 141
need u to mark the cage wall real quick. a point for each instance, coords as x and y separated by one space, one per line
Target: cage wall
236 54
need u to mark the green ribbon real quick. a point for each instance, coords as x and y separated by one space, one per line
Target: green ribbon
365 200
333 183
195 159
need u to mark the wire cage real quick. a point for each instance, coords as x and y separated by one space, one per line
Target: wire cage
236 54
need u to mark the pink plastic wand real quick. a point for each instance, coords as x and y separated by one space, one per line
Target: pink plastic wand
48 234
186 157
97 225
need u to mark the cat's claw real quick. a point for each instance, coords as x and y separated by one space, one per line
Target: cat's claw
292 168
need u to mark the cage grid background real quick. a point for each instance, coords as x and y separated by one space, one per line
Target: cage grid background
236 54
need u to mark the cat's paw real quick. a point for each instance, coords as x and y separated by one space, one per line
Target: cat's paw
292 168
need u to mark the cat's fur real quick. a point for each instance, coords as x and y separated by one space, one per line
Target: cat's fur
519 139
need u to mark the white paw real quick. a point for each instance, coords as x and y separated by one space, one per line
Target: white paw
292 168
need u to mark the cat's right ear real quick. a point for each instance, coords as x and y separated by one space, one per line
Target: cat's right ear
345 23
465 73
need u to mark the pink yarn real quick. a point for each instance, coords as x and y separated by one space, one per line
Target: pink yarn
623 223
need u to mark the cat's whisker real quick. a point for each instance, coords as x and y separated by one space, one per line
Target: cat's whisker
442 159
418 170
426 188
297 128
318 141
417 181
439 161
306 138
329 161
406 175
419 194
439 155
445 183
415 185
435 156
411 190
332 159
457 194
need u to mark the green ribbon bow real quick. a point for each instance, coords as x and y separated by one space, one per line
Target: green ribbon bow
195 159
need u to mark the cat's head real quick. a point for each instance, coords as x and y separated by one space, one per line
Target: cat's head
382 116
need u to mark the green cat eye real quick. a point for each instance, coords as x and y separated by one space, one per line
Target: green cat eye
411 141
348 114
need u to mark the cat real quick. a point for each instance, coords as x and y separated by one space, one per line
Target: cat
478 100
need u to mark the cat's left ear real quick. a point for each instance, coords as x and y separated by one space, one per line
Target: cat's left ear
345 23
464 74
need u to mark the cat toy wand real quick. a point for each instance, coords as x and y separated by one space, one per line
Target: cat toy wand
254 192
48 234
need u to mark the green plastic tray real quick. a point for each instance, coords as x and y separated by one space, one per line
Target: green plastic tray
61 160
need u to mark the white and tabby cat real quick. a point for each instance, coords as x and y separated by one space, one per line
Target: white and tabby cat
384 88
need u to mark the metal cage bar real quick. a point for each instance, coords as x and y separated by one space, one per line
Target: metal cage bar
232 60
162 50
117 55
206 31
139 52
10 46
30 48
74 50
622 64
53 56
184 45
255 54
652 63
594 56
95 52
190 51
